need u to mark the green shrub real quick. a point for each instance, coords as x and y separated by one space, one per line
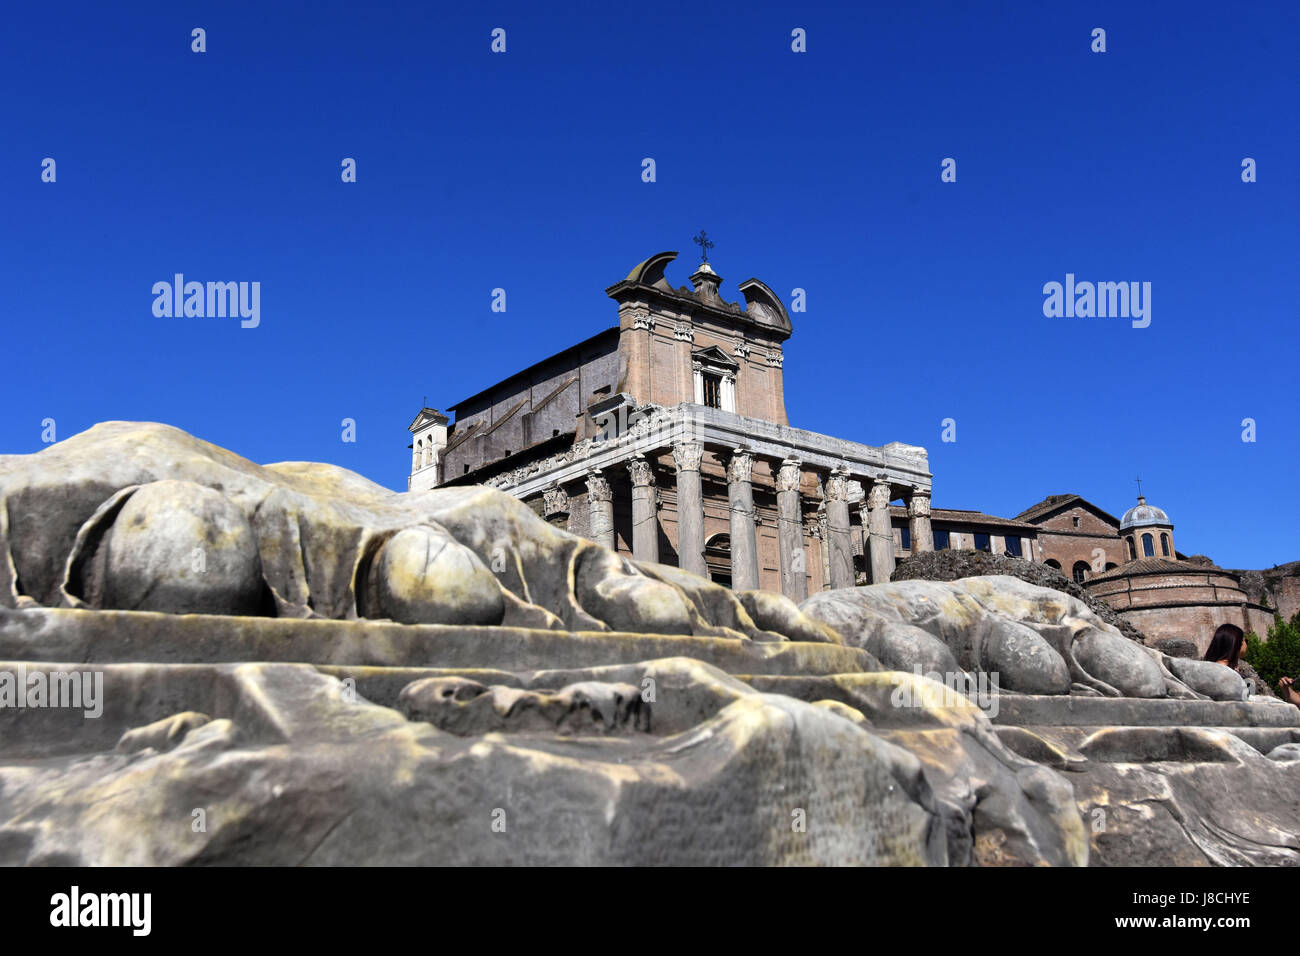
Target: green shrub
1279 656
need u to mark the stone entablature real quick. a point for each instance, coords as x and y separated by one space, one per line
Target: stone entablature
653 428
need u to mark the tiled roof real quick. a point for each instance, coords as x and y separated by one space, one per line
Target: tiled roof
1057 502
969 517
1050 503
1157 566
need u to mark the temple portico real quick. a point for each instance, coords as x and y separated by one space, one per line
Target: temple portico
777 483
665 438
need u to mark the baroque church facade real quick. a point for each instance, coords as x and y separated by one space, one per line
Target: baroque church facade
665 438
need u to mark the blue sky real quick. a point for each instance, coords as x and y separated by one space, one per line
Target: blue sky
818 170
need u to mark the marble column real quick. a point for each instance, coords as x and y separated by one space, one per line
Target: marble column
645 523
600 504
690 508
819 532
838 529
880 531
555 506
918 521
740 501
789 515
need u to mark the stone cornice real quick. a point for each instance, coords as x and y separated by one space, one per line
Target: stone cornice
654 428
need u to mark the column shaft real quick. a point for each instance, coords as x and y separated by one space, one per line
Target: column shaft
789 512
744 543
690 508
880 531
838 530
918 521
645 522
600 503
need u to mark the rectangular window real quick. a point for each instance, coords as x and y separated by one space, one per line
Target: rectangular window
906 538
712 390
1013 545
941 540
981 541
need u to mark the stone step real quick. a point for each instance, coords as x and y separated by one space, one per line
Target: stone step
1030 710
1069 740
104 637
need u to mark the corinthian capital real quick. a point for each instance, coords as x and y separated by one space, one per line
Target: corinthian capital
642 474
687 455
880 494
788 478
555 501
837 486
918 505
740 467
598 488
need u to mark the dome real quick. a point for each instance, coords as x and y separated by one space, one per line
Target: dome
1143 515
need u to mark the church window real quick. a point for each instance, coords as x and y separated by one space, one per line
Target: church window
1080 571
1013 545
712 390
1164 544
1132 554
1148 546
941 540
981 541
1076 521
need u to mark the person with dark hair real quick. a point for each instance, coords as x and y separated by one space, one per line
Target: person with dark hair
1225 646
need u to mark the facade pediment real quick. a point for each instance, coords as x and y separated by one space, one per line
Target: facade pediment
426 417
713 355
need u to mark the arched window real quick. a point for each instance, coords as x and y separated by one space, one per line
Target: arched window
1111 565
1148 546
1053 563
1080 571
1132 554
1164 543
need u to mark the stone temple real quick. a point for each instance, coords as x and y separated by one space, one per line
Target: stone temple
665 438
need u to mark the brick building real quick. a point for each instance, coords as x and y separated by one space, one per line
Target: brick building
665 437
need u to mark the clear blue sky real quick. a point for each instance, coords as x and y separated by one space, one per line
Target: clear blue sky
817 170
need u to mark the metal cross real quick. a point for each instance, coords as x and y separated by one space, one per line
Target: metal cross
1139 481
705 244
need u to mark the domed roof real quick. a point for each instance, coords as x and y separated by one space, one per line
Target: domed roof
1143 515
